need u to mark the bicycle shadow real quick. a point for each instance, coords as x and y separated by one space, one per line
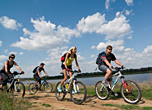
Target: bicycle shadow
90 99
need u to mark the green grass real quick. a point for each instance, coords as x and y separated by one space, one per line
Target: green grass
7 102
128 107
46 105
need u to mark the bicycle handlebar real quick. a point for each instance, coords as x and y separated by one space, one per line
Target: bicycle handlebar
16 73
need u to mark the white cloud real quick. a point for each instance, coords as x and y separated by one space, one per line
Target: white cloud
12 53
45 36
91 23
129 2
21 53
127 12
3 57
117 28
117 46
93 47
5 51
92 56
107 3
130 37
9 23
0 43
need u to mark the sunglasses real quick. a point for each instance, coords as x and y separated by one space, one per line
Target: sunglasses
12 57
109 49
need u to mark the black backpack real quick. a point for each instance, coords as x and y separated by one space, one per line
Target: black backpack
99 60
35 69
63 57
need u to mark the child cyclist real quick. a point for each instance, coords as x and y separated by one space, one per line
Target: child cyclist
67 65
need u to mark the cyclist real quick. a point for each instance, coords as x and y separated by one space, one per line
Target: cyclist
105 66
67 65
5 71
37 74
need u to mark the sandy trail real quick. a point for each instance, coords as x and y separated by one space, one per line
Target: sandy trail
48 101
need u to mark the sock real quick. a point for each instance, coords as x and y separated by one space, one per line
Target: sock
60 86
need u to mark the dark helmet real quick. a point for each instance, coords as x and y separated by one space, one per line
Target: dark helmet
42 64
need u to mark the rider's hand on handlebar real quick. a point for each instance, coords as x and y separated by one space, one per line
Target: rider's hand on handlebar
68 69
111 68
79 70
8 72
41 77
122 67
22 72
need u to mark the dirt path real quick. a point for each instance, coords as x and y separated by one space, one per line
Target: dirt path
48 101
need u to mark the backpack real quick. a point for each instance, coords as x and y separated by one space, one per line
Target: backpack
35 69
99 60
63 57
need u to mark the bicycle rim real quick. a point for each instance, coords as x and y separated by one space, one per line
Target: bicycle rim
80 93
132 94
19 90
101 91
59 95
48 87
32 89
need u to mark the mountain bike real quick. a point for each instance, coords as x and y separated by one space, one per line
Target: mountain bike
72 85
15 87
130 91
46 86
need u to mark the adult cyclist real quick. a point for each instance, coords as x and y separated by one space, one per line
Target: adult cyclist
37 74
67 66
5 71
106 67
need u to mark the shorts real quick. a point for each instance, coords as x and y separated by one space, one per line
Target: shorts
63 67
103 68
37 78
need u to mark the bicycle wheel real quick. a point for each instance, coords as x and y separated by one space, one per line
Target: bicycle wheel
32 89
101 91
80 92
19 90
48 87
131 92
59 95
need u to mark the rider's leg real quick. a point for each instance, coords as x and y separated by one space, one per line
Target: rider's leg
108 73
65 76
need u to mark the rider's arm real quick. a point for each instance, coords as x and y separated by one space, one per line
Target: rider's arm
6 66
17 66
39 74
107 63
66 58
45 72
118 62
76 62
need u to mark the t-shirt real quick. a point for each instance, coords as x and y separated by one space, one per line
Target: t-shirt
38 69
105 56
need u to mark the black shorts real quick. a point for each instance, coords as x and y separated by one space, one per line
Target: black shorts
63 66
37 78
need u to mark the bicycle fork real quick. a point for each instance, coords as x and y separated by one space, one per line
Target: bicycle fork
126 86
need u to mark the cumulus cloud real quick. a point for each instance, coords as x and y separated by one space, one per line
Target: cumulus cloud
128 12
91 23
3 57
92 56
107 3
93 47
21 53
9 23
129 2
117 28
45 36
130 37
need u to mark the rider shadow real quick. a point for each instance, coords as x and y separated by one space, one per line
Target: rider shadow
34 97
90 99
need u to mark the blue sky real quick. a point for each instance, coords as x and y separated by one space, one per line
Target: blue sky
42 30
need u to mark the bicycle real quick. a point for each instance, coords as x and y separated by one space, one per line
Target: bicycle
130 91
72 84
47 87
16 87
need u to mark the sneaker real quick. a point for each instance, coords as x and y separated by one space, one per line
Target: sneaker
115 94
73 92
59 89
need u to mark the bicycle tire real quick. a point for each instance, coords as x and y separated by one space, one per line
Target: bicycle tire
134 91
48 87
101 91
19 91
81 92
59 95
32 89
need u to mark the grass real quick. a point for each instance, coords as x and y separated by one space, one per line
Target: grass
46 105
7 102
128 107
